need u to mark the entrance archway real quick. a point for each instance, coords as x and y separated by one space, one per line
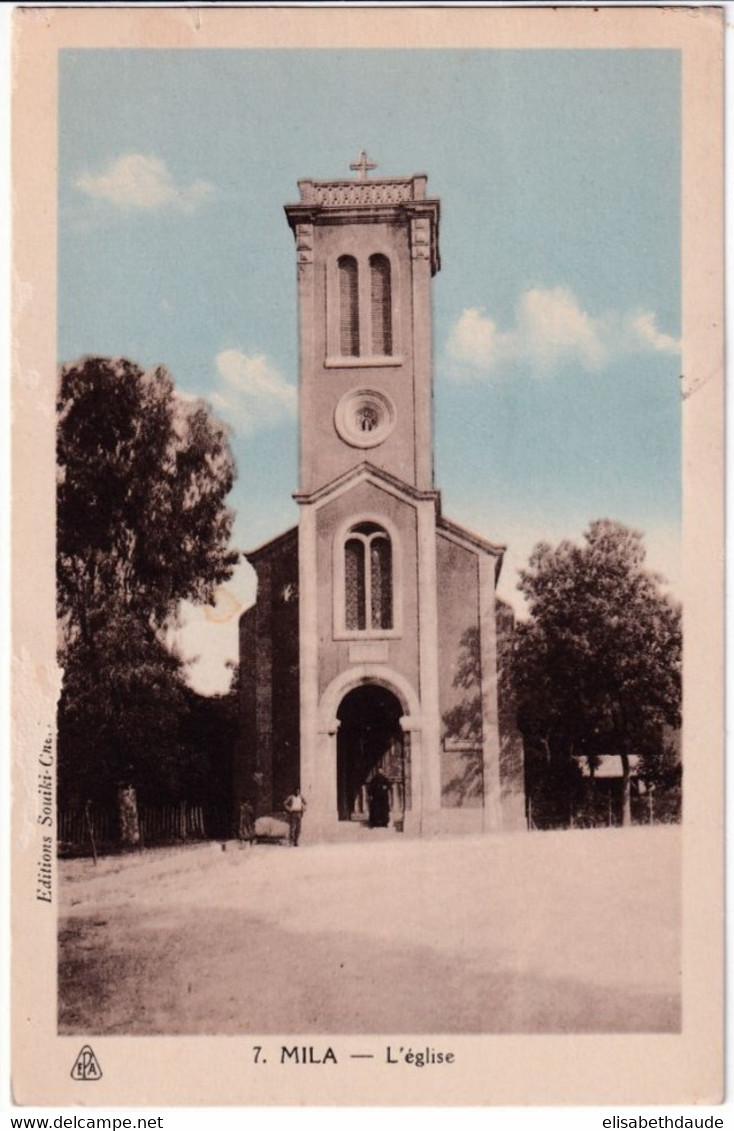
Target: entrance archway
371 746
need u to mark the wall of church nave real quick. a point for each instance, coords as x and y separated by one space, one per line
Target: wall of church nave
285 697
340 649
245 757
268 765
512 752
461 776
459 675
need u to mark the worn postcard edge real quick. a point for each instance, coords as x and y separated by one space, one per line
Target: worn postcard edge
572 1069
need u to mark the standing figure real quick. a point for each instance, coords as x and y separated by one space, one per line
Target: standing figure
246 830
378 792
295 807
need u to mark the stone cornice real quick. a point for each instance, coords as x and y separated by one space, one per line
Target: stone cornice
363 213
368 191
415 211
367 471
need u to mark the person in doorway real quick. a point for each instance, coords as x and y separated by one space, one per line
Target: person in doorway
246 830
295 807
378 793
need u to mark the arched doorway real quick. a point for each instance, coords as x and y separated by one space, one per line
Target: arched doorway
370 742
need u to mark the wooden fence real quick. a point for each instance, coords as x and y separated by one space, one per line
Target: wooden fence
74 826
170 823
160 824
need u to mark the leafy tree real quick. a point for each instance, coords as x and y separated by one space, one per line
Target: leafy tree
121 711
661 770
141 526
597 667
143 475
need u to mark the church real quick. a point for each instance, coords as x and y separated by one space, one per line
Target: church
372 652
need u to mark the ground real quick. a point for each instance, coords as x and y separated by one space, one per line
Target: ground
540 932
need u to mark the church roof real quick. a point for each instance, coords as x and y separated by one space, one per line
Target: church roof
474 541
463 535
273 546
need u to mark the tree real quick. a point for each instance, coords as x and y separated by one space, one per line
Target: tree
143 475
597 666
121 716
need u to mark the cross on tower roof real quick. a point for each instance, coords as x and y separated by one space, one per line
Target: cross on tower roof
362 164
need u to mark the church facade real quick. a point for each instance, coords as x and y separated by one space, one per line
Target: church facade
371 653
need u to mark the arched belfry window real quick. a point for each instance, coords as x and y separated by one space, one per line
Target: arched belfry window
348 306
363 310
368 584
381 305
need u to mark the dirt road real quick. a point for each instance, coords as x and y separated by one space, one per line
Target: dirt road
545 932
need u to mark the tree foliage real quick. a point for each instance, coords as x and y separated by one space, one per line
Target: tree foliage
121 715
127 717
597 666
141 526
143 475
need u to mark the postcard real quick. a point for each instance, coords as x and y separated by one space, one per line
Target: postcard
367 556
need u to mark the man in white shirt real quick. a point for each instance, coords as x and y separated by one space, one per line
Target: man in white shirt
295 806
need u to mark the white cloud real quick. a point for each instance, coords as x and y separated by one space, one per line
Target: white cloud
143 183
645 326
550 329
253 393
474 339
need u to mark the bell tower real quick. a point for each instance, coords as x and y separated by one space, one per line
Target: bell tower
367 609
366 251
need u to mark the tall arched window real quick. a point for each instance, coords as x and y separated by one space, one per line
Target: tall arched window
368 578
348 307
381 305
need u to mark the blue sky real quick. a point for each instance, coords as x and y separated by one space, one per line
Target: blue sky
556 311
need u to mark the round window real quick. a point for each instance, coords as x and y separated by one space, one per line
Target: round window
364 418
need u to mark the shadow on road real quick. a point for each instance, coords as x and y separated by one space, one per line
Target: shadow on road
229 973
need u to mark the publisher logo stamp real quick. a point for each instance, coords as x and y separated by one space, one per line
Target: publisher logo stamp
86 1065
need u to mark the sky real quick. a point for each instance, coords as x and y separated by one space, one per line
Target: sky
556 311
